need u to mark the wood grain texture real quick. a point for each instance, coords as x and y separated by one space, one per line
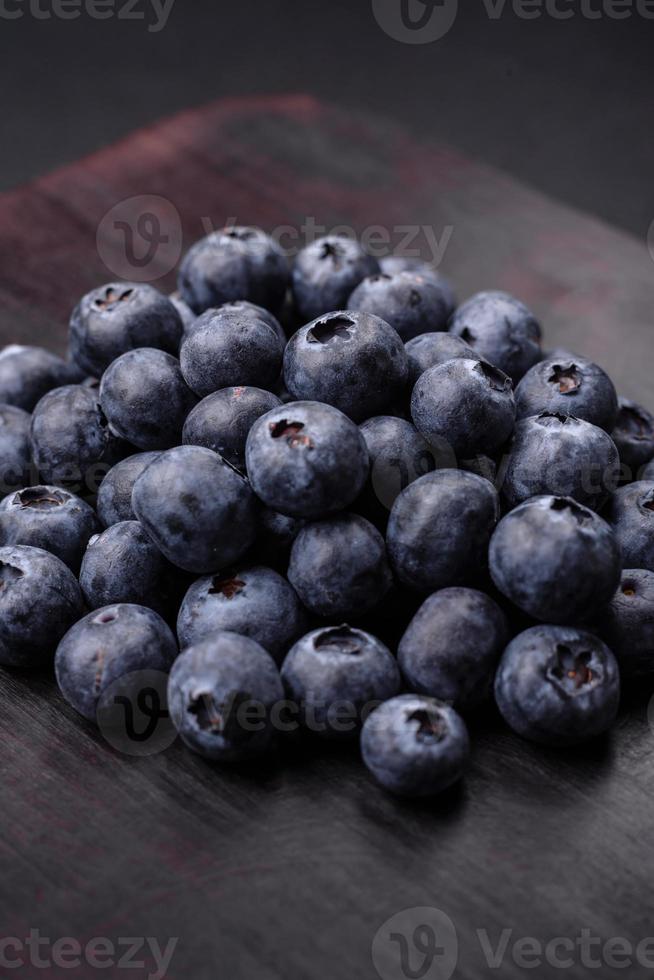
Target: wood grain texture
288 871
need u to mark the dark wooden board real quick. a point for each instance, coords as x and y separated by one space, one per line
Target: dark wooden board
288 872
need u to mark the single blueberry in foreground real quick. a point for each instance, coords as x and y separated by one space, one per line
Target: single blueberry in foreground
415 746
221 696
335 676
557 685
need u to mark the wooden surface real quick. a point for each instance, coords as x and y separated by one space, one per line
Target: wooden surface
289 871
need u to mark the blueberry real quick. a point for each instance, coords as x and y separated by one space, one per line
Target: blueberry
48 518
221 696
335 676
392 264
634 435
253 601
558 685
118 317
123 565
439 530
198 510
106 645
325 273
72 441
338 567
555 559
223 420
354 361
398 456
223 350
568 386
501 330
241 309
28 373
39 600
305 459
187 316
411 303
15 455
561 455
430 349
145 398
452 647
627 623
466 405
234 264
114 503
630 511
415 746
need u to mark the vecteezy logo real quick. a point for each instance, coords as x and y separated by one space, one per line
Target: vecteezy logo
133 713
415 21
140 238
416 944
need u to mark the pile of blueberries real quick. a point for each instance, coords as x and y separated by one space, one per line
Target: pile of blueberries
299 469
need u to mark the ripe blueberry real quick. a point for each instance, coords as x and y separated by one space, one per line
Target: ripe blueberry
415 746
555 559
354 361
557 685
306 459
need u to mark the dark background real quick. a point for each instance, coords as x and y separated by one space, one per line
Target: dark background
291 872
564 105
